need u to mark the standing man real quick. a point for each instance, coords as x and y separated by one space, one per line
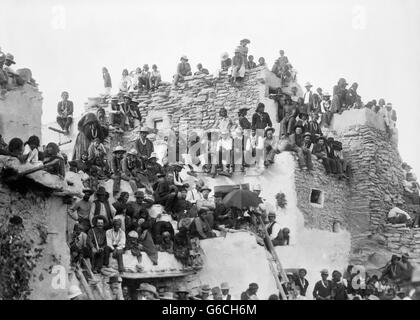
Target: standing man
101 207
308 98
82 210
115 240
143 145
301 283
65 112
225 291
273 229
117 169
323 288
338 290
250 293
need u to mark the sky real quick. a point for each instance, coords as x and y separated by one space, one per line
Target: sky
373 42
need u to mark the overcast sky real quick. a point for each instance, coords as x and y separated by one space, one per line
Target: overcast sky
372 42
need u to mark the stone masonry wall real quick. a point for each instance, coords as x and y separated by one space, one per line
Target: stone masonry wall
376 185
335 194
400 239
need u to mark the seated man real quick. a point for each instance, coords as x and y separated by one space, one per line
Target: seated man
159 228
116 115
200 227
65 112
97 242
96 150
270 147
164 192
131 169
115 240
320 151
155 77
78 244
83 164
222 214
183 70
296 144
250 63
278 236
342 164
201 70
181 207
288 122
144 79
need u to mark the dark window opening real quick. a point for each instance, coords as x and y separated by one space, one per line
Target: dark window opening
158 124
317 197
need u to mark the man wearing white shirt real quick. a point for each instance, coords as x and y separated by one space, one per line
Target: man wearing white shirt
225 291
307 98
115 240
273 228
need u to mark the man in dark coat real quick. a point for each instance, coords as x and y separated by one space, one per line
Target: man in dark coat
320 151
338 289
143 145
250 293
323 288
301 282
261 119
314 128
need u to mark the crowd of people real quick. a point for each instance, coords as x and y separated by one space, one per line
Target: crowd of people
9 77
103 230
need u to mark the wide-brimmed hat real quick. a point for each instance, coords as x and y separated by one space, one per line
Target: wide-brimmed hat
115 98
271 214
224 286
184 57
388 105
324 271
216 291
10 57
245 40
149 288
133 234
270 129
119 149
182 289
167 296
127 96
307 134
133 152
139 194
308 84
320 138
88 190
224 56
153 155
96 218
205 188
144 129
304 270
244 109
205 288
114 279
326 94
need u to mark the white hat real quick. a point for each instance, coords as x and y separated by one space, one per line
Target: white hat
74 291
133 234
118 149
224 56
184 57
308 84
133 152
153 155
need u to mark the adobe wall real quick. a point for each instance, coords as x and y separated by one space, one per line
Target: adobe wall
20 113
400 239
44 221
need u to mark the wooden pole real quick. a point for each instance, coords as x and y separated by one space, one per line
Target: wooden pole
84 283
89 271
270 248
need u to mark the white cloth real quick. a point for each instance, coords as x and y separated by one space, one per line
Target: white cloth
306 97
115 239
397 211
193 195
32 154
